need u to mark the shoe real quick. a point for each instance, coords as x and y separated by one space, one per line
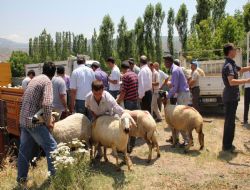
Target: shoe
233 149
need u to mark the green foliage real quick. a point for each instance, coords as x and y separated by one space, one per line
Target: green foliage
218 11
105 38
18 59
95 52
139 37
246 15
158 21
203 8
170 22
181 25
148 32
122 34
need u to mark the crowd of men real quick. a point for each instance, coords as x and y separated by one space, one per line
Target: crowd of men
93 92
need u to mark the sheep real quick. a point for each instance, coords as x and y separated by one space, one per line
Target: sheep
184 118
146 128
111 132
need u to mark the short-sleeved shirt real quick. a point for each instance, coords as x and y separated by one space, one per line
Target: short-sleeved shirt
59 88
107 105
81 80
102 76
136 69
156 79
195 76
144 81
115 75
163 77
25 82
246 75
37 95
130 86
230 93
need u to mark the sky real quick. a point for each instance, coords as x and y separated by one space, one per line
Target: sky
22 19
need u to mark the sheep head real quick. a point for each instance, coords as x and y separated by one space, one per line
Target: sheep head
126 122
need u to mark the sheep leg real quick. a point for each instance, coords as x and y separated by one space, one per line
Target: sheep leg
116 158
201 139
127 159
105 155
150 150
155 143
190 143
174 136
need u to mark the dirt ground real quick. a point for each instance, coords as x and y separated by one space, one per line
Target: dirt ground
207 169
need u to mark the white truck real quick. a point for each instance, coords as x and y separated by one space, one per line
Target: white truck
211 86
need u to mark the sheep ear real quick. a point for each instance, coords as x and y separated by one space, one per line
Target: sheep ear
132 121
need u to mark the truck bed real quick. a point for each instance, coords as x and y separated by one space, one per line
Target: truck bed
211 85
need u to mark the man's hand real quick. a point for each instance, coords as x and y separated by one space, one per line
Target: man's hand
248 80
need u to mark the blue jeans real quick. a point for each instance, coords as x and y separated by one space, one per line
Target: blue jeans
114 93
130 105
80 108
29 137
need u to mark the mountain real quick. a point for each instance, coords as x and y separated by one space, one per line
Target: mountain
7 46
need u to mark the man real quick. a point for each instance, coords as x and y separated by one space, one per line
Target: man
59 103
101 102
114 78
246 75
30 75
80 86
179 87
133 66
145 84
100 74
37 95
194 85
231 94
162 83
155 93
129 94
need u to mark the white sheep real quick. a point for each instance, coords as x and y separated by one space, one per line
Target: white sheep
146 128
184 118
111 132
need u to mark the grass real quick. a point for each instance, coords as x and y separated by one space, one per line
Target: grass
206 169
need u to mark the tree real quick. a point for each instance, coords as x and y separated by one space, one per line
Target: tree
105 38
203 8
193 24
170 22
36 51
181 25
58 46
122 32
218 11
246 15
18 59
43 46
129 44
95 53
30 47
148 31
158 21
139 37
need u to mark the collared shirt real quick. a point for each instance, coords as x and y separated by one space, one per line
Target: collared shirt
136 69
195 76
115 75
81 80
102 76
178 81
130 86
25 82
107 105
144 81
37 95
163 77
155 78
230 93
59 88
246 75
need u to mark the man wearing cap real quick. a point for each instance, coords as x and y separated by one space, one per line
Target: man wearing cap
145 84
59 103
114 77
133 66
100 74
194 85
80 85
231 94
129 94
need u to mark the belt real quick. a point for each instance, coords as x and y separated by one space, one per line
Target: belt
195 87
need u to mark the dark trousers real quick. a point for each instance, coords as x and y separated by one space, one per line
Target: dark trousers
146 101
246 104
195 97
114 93
229 125
159 103
80 108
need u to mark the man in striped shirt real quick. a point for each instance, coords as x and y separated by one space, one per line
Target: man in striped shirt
129 94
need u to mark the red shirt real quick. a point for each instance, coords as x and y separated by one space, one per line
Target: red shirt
130 86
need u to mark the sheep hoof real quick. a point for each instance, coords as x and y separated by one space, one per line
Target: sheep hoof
158 155
118 169
173 146
202 147
148 161
185 151
106 160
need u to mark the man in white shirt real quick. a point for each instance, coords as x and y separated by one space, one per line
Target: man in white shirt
246 75
80 85
194 85
145 84
155 95
30 75
114 77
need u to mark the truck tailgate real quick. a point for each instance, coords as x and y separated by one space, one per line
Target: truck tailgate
211 85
